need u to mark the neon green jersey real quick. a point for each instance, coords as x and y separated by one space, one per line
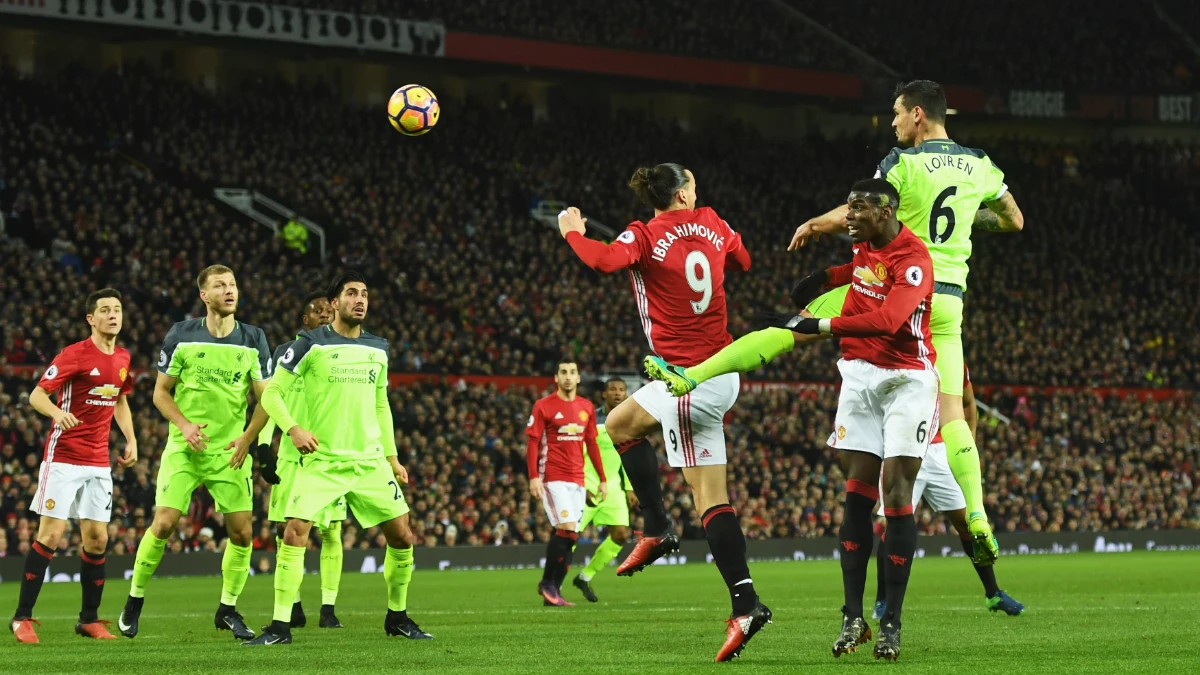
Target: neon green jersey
213 376
293 398
344 400
609 457
941 186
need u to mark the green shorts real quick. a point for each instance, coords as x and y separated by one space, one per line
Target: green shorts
181 471
280 495
945 322
368 488
611 511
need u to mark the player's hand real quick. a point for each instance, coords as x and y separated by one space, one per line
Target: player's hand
603 492
631 499
305 442
130 457
194 435
571 220
268 467
805 233
65 420
241 448
809 288
773 319
536 488
398 469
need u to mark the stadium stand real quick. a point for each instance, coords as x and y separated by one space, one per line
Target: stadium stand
120 198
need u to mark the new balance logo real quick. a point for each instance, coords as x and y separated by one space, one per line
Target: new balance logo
95 372
99 582
962 450
30 576
558 416
705 454
898 560
850 545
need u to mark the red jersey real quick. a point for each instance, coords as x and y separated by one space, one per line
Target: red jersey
677 264
557 432
88 382
885 319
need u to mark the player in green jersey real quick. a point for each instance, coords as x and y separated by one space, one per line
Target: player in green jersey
281 472
206 368
613 512
941 186
347 450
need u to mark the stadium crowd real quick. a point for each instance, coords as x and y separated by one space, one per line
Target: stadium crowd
119 199
1100 51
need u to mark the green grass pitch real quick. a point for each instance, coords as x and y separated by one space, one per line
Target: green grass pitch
1088 613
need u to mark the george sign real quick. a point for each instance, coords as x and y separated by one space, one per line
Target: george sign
1025 103
250 20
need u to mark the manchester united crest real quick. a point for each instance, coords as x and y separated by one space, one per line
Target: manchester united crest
841 433
49 504
123 373
583 416
880 271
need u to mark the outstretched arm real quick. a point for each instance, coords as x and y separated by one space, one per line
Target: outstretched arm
833 222
1001 215
604 258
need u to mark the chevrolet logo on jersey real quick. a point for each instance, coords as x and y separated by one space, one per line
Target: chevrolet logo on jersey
572 429
105 390
106 394
867 277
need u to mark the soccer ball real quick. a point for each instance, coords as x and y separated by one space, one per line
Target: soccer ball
413 110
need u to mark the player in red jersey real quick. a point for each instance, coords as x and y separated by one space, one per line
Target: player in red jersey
93 383
677 264
560 427
888 406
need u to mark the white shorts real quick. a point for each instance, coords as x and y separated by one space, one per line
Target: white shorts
888 413
68 491
693 426
935 482
564 502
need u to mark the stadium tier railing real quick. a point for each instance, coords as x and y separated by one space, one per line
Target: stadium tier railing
266 211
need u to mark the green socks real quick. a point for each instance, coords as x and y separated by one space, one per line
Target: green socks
279 547
149 554
747 353
289 574
397 572
235 569
604 555
964 463
331 563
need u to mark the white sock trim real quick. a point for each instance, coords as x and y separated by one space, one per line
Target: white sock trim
744 581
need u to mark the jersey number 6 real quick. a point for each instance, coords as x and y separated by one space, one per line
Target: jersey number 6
700 284
939 211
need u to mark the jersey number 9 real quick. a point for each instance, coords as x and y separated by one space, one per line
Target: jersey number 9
701 284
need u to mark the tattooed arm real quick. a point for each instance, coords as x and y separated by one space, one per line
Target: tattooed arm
1001 215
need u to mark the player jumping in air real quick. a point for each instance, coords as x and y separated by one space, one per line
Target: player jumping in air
211 363
677 264
613 512
347 450
942 184
888 406
314 313
560 426
93 383
941 492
